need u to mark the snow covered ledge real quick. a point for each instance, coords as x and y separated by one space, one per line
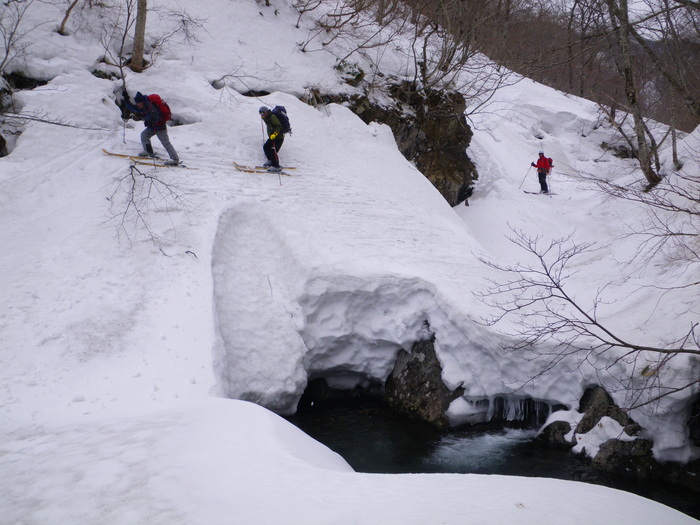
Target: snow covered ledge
290 307
282 322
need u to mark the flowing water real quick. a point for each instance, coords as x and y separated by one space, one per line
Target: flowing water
373 439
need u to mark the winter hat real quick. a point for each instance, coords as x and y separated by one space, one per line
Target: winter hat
140 97
541 152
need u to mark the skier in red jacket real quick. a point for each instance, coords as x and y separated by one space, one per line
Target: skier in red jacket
544 165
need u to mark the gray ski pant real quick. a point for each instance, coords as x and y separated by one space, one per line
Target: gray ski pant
162 135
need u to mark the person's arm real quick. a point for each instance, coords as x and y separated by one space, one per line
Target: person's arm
131 107
275 127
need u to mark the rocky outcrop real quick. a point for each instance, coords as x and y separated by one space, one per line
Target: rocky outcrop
620 456
415 387
597 403
554 435
629 458
430 130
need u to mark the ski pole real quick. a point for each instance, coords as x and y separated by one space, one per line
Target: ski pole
262 130
525 177
125 98
274 150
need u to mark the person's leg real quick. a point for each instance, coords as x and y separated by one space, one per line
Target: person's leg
146 135
165 140
543 181
269 149
277 145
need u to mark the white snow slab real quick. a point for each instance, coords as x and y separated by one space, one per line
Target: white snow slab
232 462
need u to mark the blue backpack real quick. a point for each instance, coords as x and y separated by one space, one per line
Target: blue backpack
281 113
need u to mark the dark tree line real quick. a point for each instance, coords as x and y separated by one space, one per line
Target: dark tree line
600 50
638 64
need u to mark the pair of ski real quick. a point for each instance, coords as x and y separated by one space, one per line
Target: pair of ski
261 169
539 193
145 161
161 163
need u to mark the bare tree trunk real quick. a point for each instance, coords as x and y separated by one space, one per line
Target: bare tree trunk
137 62
570 46
619 16
674 72
674 139
62 28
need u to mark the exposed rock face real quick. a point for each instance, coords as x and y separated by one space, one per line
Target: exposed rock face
633 459
5 95
415 386
630 458
430 130
596 403
554 435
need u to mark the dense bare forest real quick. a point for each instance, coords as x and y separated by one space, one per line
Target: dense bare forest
637 62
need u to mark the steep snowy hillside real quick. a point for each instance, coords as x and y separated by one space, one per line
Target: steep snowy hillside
646 300
138 298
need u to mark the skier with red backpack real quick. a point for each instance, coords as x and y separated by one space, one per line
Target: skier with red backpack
544 165
155 113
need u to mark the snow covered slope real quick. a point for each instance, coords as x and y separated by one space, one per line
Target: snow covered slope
135 300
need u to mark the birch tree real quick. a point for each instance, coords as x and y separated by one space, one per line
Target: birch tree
137 62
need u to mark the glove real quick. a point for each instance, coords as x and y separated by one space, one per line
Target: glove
532 164
274 136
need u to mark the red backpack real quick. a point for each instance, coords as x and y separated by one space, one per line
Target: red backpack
163 107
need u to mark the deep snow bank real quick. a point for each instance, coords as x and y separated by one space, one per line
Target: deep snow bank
527 117
332 270
224 461
346 266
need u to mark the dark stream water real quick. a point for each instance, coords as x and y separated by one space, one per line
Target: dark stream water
373 439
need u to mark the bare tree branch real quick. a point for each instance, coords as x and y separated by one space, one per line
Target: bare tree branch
558 329
137 196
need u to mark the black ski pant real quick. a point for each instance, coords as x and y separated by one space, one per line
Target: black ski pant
272 148
542 175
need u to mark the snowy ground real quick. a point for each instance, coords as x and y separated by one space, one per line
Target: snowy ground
121 335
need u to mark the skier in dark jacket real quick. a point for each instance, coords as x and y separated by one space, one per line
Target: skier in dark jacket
544 165
275 138
154 120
